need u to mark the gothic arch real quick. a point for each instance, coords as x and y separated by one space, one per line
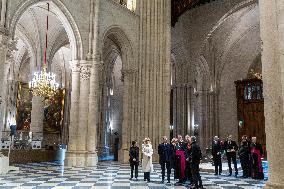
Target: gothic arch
122 45
224 18
64 16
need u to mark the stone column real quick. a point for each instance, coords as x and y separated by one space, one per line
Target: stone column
3 12
271 30
124 151
37 117
81 147
94 114
3 51
74 112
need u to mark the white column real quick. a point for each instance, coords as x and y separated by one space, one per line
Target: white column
37 117
124 151
271 30
3 51
74 112
81 147
3 12
94 114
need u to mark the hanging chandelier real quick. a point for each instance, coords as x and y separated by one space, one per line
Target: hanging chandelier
43 83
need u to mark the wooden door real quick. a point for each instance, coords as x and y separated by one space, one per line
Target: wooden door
250 109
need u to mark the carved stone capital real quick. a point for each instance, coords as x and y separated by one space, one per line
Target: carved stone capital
75 67
3 42
85 71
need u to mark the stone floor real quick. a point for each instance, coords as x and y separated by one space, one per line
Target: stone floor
107 175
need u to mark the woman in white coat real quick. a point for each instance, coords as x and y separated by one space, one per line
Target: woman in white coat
147 165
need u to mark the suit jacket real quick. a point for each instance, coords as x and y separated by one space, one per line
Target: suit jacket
216 148
165 152
229 146
195 153
244 151
134 154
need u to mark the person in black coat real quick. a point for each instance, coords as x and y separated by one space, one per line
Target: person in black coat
166 153
244 154
134 159
216 153
195 158
231 148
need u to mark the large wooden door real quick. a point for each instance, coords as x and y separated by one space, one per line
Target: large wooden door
250 109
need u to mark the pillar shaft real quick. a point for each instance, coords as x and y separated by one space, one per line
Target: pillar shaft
271 30
37 117
74 112
83 106
93 118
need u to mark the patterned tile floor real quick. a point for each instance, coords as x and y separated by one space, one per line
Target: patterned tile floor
106 175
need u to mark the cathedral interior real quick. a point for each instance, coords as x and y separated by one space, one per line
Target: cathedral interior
81 80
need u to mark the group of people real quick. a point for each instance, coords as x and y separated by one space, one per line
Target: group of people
249 152
183 156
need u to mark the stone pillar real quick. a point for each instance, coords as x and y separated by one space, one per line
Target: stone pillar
271 30
81 148
74 112
123 156
3 51
3 13
94 114
37 117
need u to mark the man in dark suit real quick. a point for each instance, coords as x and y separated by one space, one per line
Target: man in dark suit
195 159
166 153
231 148
216 153
134 159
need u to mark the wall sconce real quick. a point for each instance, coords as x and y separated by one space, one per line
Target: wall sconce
210 91
171 127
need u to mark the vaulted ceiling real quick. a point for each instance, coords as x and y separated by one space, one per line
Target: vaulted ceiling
181 6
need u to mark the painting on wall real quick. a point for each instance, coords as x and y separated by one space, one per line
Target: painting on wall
53 110
24 107
53 113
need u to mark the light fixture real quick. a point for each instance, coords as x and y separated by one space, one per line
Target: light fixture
43 83
210 91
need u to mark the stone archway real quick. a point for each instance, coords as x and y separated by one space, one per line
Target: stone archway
64 16
70 35
117 44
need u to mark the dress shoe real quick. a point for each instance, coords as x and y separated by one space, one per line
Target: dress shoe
169 182
162 182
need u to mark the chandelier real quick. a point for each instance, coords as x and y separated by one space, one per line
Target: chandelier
43 83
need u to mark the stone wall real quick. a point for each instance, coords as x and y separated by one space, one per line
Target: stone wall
218 41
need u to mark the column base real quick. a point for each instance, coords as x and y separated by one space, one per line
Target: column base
273 186
70 159
81 158
92 159
123 156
